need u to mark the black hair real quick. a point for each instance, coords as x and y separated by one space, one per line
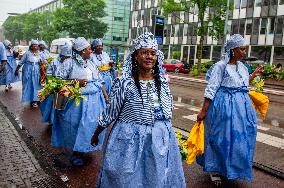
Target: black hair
135 75
231 54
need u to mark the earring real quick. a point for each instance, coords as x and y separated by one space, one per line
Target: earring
233 54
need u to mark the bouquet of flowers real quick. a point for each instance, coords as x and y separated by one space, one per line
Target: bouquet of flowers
104 67
182 145
65 88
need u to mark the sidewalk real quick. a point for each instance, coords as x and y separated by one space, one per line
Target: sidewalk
19 168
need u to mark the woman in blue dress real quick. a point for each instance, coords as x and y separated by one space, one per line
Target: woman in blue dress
7 76
73 127
100 58
43 50
229 118
3 57
30 74
142 149
46 106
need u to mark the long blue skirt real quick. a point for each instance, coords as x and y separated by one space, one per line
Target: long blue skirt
30 82
47 110
230 134
7 76
107 77
142 156
73 127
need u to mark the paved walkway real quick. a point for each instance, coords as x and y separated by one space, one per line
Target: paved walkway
19 168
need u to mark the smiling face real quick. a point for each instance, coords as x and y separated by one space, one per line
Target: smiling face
146 58
240 52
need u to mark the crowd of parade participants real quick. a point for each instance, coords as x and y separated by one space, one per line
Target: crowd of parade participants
141 149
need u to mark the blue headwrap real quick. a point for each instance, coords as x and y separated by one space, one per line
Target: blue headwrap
234 41
42 43
97 42
146 40
80 44
66 50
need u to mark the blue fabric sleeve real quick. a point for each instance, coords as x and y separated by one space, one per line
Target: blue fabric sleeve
24 59
214 80
3 55
65 70
115 105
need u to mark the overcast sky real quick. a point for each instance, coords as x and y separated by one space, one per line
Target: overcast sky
18 6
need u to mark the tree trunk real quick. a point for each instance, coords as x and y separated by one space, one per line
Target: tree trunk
199 53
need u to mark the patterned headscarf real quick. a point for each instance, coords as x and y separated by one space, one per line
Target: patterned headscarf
80 44
42 43
7 43
97 42
66 50
234 41
146 40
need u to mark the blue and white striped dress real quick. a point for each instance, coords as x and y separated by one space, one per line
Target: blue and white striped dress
230 123
142 149
7 76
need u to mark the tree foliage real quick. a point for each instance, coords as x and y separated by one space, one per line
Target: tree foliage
211 15
81 18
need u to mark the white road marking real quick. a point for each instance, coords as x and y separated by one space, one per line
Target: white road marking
179 104
194 109
191 117
263 128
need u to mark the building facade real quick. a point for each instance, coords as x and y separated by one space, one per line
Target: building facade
259 21
116 38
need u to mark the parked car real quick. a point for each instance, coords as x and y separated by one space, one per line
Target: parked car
57 44
174 65
21 50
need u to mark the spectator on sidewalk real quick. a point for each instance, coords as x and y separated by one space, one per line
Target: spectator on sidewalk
229 117
73 127
7 76
103 62
30 74
142 149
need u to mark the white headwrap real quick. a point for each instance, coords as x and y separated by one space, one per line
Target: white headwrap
34 42
7 43
42 43
80 44
146 40
234 41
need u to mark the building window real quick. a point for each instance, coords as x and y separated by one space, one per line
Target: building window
185 30
271 27
237 3
242 27
250 3
235 28
265 2
263 26
258 3
173 31
244 3
249 27
280 25
116 38
120 19
255 29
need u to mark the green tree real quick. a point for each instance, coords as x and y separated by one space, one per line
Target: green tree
13 28
211 14
81 18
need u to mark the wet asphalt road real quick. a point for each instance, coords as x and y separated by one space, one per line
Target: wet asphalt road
57 158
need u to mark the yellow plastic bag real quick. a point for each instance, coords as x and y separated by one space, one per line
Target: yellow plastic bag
104 67
260 102
195 142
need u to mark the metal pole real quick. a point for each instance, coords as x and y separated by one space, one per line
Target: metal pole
226 23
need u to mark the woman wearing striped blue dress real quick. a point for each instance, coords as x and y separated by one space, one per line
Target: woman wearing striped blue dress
46 106
30 74
142 149
7 77
229 118
73 127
